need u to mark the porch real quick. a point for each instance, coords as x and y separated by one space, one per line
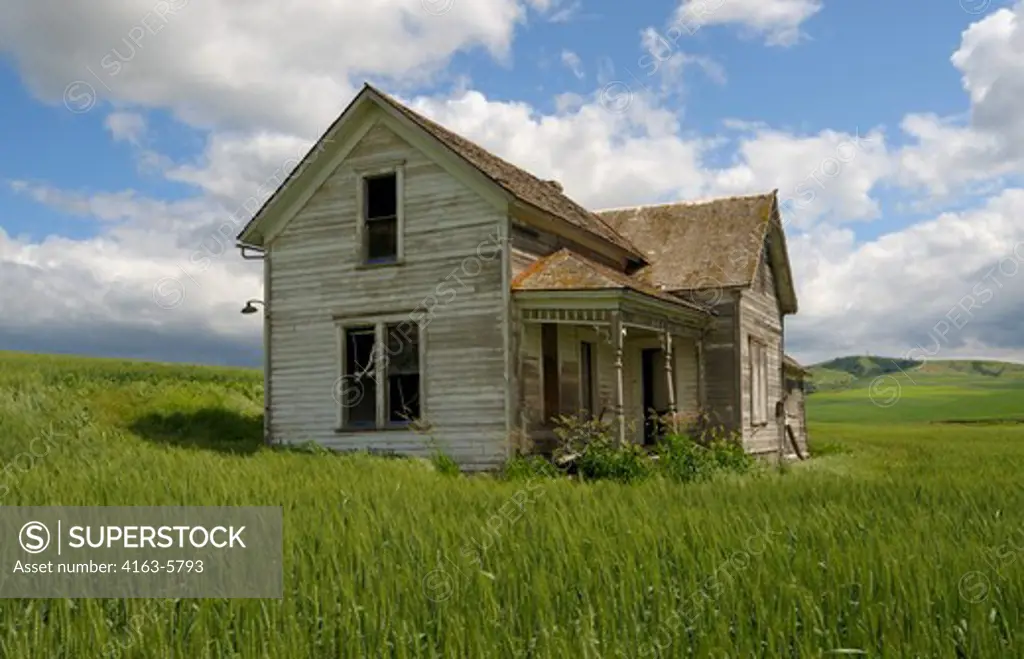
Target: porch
615 354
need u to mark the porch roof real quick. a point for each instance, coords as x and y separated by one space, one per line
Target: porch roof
566 270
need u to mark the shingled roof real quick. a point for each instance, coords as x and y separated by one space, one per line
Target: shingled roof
692 245
521 184
566 270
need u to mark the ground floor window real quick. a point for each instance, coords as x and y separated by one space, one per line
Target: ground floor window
380 383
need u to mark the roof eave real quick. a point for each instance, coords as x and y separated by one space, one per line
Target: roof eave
787 298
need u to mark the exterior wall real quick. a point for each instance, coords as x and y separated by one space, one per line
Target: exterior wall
761 317
315 275
796 415
526 245
721 376
569 338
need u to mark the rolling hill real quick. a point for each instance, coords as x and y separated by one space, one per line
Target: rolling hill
887 390
854 371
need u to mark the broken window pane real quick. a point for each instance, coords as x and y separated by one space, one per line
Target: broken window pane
360 396
403 369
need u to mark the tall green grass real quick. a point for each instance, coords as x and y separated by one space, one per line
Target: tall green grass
863 549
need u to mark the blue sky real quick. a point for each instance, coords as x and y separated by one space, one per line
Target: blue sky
133 128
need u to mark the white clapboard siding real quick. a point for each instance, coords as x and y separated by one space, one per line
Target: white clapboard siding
761 317
314 275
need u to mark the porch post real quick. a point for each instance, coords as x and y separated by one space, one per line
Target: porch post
519 329
702 390
620 411
670 380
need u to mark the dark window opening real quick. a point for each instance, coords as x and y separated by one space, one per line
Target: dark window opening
403 373
549 365
360 394
381 214
587 403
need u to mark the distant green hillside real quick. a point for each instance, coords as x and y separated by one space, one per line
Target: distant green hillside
860 371
883 390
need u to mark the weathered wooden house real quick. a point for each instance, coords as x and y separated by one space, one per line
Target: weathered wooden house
795 401
418 287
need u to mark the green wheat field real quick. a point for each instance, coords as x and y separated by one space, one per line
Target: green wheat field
902 537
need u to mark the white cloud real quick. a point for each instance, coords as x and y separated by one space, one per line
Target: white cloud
778 21
556 11
126 126
829 176
941 289
211 63
664 60
946 154
572 62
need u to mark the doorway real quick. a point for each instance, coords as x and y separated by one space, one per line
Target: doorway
650 359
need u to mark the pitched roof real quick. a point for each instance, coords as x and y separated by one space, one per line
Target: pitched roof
704 244
521 184
566 270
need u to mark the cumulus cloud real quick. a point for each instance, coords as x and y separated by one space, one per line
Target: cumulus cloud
777 21
572 62
209 62
126 126
947 153
945 288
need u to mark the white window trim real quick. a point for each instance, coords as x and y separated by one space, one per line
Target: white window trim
396 167
380 324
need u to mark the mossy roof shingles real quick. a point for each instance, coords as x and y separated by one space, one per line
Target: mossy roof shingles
695 245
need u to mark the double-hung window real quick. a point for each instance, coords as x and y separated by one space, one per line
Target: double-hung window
381 380
381 214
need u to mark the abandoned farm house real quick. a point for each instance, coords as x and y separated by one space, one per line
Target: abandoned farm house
418 287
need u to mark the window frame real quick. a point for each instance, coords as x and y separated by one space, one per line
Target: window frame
758 356
362 174
380 324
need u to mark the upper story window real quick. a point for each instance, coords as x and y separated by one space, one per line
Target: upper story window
381 219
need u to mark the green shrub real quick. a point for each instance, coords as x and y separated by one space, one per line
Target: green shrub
728 454
698 454
587 447
625 463
683 460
